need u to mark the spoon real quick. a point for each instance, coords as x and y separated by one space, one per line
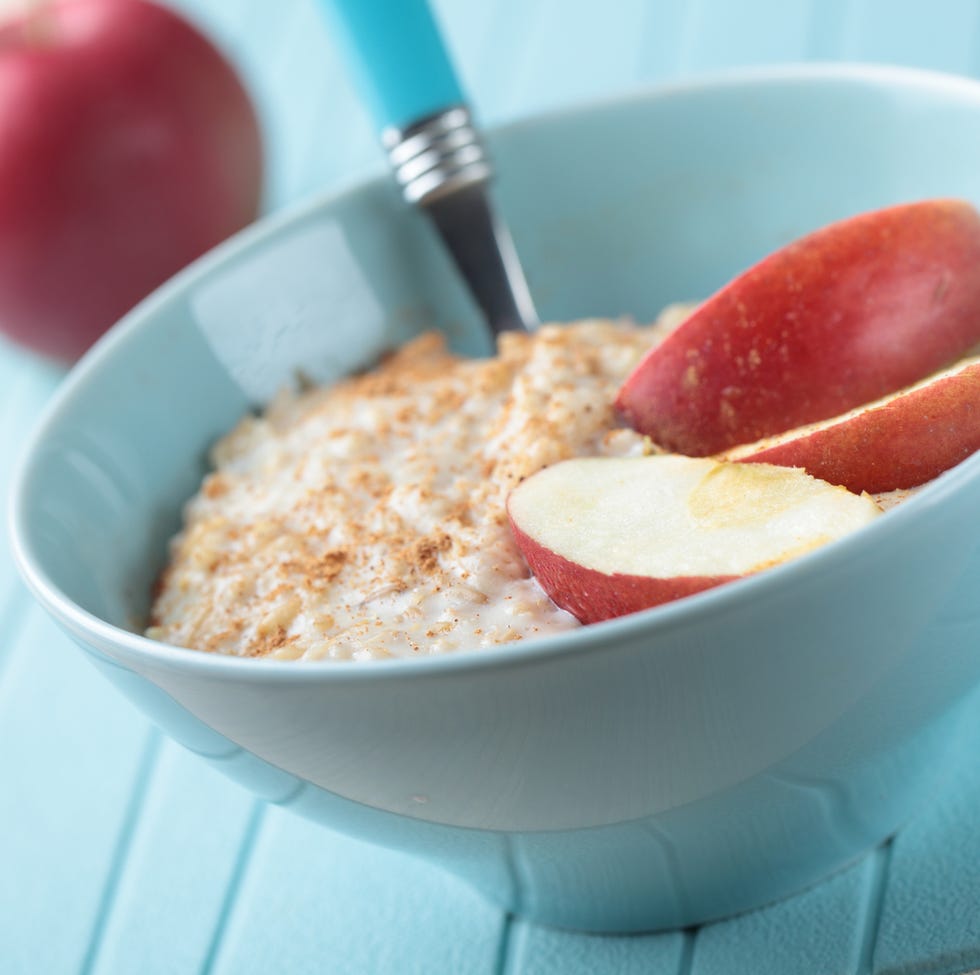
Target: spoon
433 146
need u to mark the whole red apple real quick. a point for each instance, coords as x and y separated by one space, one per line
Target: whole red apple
128 147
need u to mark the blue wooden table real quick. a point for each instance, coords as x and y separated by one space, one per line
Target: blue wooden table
120 853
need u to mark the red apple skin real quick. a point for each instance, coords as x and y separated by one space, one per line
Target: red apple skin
592 596
128 147
906 441
841 317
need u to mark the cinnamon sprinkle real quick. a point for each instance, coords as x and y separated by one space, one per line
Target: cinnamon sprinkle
368 520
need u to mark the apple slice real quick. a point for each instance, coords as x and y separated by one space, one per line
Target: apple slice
838 318
899 441
609 536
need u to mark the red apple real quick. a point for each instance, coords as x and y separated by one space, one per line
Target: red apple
899 441
128 147
609 536
838 318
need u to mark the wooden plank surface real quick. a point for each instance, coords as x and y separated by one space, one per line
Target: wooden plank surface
120 852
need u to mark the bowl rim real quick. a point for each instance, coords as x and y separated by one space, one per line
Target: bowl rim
531 651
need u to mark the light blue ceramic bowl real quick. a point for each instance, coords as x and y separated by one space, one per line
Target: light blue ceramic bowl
658 770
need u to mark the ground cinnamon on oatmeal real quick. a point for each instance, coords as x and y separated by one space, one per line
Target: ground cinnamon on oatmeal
368 519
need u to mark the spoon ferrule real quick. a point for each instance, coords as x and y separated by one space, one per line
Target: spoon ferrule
437 155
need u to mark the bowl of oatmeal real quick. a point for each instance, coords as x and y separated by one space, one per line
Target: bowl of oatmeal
271 507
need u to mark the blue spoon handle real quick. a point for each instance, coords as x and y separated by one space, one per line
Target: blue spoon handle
395 49
434 149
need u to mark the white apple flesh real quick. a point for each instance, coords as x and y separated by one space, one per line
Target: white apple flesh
610 536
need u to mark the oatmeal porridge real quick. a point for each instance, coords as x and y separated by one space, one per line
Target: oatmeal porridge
367 520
